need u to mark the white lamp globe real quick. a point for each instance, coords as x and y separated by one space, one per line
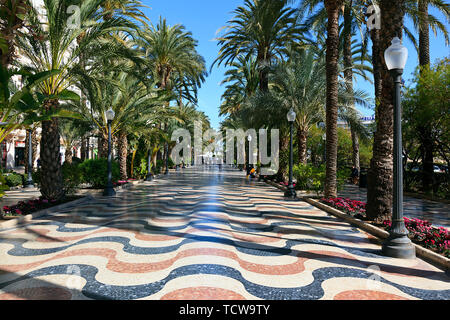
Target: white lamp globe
249 138
291 115
110 114
396 55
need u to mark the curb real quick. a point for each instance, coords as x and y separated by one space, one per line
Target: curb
429 256
22 220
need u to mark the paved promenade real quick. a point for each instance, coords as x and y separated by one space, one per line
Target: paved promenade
204 234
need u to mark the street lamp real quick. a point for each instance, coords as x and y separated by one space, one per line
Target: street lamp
397 245
29 183
290 192
109 190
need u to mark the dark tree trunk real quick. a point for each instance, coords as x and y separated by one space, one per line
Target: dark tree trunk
380 175
376 62
68 155
348 75
123 153
103 145
332 57
84 149
51 178
424 34
424 61
284 149
302 134
355 154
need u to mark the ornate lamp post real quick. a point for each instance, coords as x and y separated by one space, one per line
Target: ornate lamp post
29 183
109 190
397 245
290 192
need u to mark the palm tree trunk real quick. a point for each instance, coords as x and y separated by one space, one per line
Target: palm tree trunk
424 34
83 149
332 57
103 145
51 179
380 175
284 148
376 62
123 152
424 61
68 155
348 75
302 134
355 154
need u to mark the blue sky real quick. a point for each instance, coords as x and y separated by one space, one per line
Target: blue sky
205 17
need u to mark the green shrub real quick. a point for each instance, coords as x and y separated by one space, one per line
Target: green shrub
14 179
140 171
312 178
95 172
3 185
36 175
72 176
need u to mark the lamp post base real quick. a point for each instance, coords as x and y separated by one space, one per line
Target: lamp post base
29 185
290 193
109 192
149 177
399 246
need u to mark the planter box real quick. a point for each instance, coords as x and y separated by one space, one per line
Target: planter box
431 257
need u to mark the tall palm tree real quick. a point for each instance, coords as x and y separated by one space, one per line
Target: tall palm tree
264 29
58 49
172 56
332 72
380 175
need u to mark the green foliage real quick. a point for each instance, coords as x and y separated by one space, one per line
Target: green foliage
3 185
140 171
95 172
312 178
309 177
14 179
72 176
365 153
345 150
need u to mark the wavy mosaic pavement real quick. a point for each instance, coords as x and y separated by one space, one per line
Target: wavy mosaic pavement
204 234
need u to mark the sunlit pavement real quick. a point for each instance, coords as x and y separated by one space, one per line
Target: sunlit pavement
202 233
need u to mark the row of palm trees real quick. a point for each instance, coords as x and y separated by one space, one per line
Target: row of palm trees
111 58
306 55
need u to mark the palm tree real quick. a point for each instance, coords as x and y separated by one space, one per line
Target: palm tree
264 29
332 72
58 49
172 56
380 175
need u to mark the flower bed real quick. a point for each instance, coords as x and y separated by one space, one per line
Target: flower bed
421 232
120 183
24 208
